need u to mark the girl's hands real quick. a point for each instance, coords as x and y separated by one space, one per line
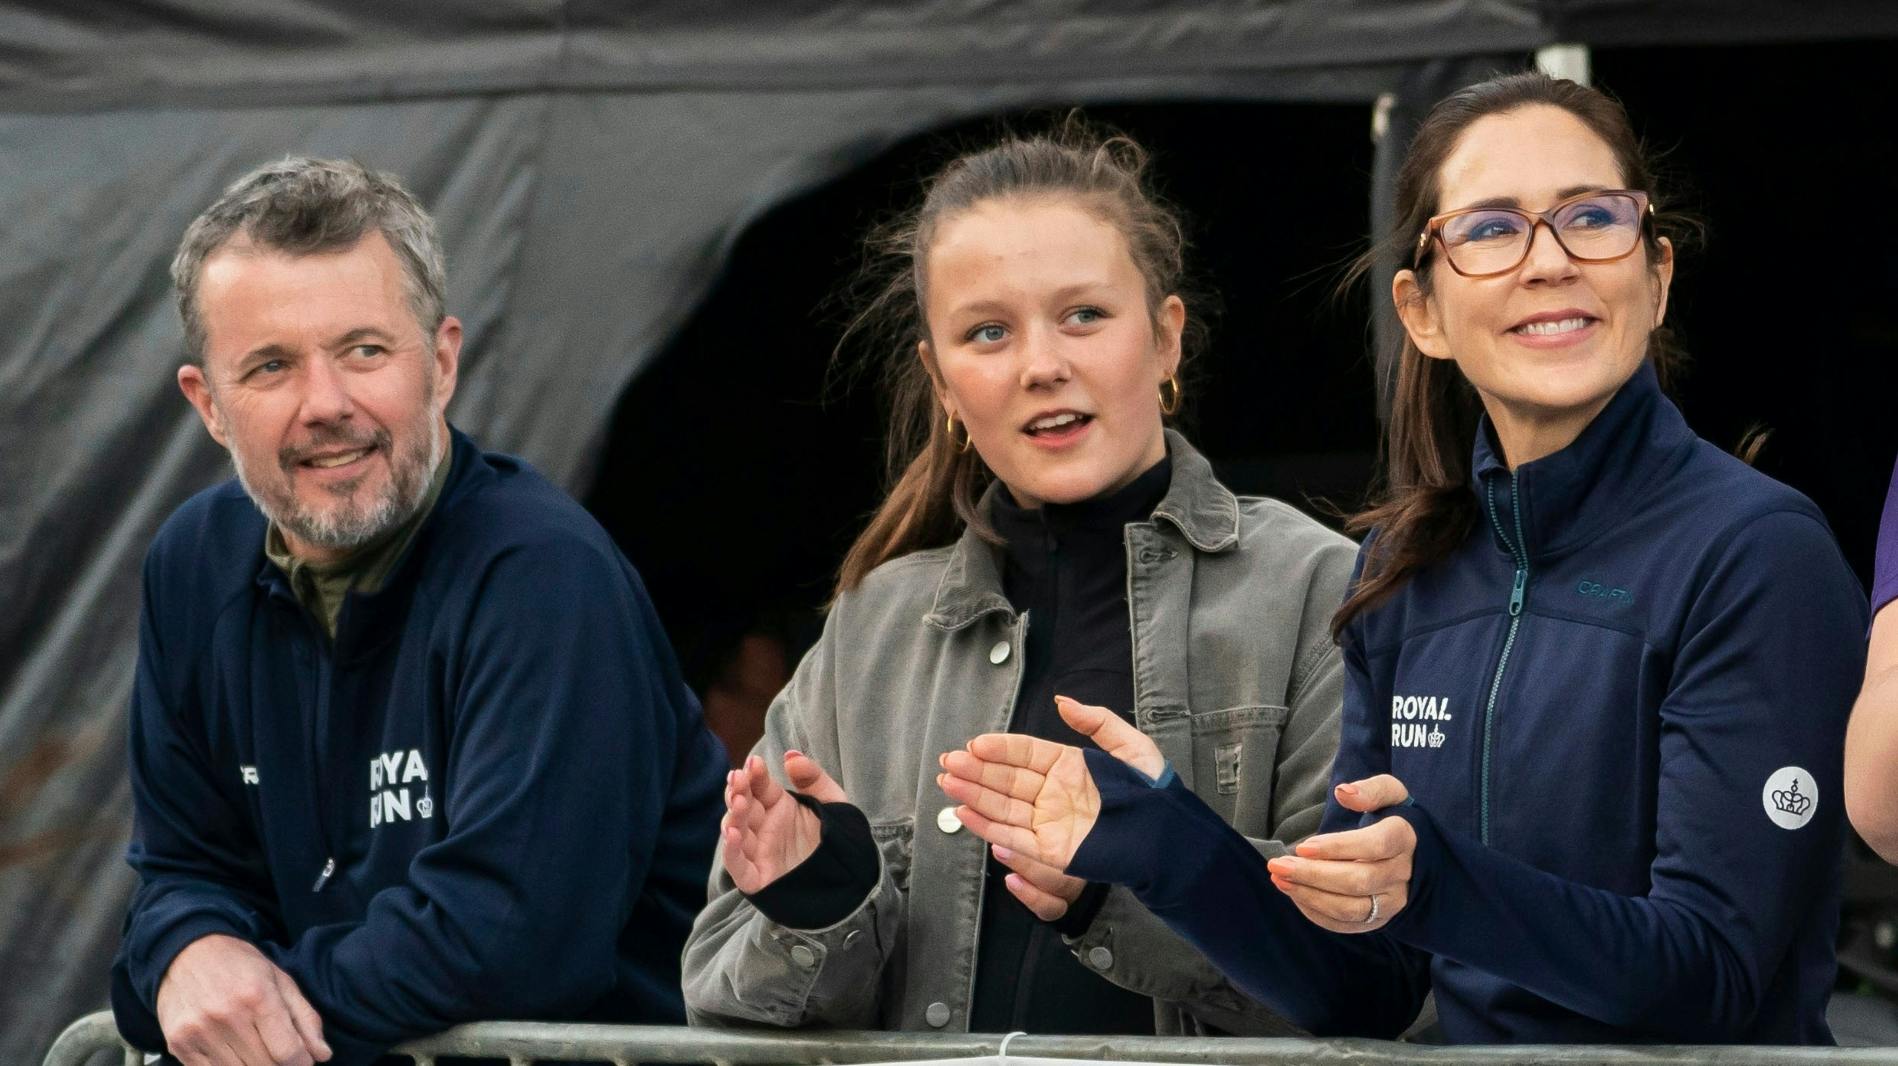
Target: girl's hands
765 831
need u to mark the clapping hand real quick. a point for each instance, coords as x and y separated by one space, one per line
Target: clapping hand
766 832
1033 797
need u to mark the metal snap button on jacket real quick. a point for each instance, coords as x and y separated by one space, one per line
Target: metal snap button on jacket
947 821
1100 958
937 1014
999 653
805 957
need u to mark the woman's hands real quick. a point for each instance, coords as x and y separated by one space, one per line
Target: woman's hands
1034 798
766 832
1354 881
1034 801
1044 890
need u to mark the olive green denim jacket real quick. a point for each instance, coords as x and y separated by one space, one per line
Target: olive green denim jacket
1236 678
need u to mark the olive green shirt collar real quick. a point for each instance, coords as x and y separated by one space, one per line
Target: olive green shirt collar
321 588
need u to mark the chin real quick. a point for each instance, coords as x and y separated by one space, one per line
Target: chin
1064 489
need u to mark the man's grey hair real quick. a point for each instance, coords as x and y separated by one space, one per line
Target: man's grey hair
304 206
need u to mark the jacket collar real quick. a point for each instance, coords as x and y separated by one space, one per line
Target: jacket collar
468 470
1565 499
1204 511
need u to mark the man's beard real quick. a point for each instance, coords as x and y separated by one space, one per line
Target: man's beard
348 523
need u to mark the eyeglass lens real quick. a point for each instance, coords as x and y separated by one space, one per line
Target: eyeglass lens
1496 239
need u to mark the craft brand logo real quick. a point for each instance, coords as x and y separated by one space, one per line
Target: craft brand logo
248 773
1790 797
1601 590
392 776
1416 721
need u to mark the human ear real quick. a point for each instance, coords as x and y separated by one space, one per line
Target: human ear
197 389
1663 280
927 355
1418 316
447 359
1169 327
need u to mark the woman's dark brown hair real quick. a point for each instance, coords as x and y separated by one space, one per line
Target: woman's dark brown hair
1427 509
934 481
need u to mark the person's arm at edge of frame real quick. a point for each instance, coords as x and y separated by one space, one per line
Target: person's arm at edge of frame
1871 742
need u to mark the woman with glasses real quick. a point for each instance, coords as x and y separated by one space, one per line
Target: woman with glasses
1045 535
1597 670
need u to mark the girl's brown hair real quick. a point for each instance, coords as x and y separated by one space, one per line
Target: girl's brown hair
1427 509
934 481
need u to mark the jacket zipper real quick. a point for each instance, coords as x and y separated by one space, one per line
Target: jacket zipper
319 723
1519 554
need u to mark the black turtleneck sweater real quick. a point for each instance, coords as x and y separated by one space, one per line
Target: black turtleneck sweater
1065 566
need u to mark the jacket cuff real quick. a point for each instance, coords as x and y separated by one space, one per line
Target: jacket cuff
148 972
1136 810
1425 862
832 881
1080 914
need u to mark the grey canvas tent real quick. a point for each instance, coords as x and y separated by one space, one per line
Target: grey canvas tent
590 163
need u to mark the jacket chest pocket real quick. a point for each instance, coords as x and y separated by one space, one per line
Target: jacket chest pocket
893 841
1235 764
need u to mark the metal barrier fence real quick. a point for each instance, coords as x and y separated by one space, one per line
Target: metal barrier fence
624 1045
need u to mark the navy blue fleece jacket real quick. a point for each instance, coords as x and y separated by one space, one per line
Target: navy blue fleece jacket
493 797
1620 711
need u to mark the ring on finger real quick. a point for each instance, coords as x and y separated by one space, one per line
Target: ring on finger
1372 917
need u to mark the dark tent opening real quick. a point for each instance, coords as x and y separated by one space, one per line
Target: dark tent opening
1789 155
732 429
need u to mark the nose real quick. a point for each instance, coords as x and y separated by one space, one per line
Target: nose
1043 363
1547 260
325 393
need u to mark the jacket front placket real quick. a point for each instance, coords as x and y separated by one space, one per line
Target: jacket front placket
1159 597
988 643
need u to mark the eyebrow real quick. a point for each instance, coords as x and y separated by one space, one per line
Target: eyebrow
362 333
1060 295
1511 201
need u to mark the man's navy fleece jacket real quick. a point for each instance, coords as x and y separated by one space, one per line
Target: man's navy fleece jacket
493 797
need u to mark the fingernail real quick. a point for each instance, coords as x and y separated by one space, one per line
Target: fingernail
1347 789
793 753
943 760
1003 853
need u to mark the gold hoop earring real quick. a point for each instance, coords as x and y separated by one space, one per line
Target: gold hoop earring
1172 405
966 442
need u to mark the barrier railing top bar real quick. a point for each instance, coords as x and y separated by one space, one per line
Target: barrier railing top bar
522 1042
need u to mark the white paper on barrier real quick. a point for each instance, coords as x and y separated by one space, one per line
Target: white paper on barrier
1007 1060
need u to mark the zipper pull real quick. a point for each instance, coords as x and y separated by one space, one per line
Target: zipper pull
329 870
1515 593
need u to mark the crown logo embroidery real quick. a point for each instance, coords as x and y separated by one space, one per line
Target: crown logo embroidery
1790 801
1435 737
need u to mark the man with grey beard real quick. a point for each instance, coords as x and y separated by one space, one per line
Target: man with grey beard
408 747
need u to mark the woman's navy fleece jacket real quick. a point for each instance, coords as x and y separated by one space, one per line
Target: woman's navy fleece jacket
498 755
1620 710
